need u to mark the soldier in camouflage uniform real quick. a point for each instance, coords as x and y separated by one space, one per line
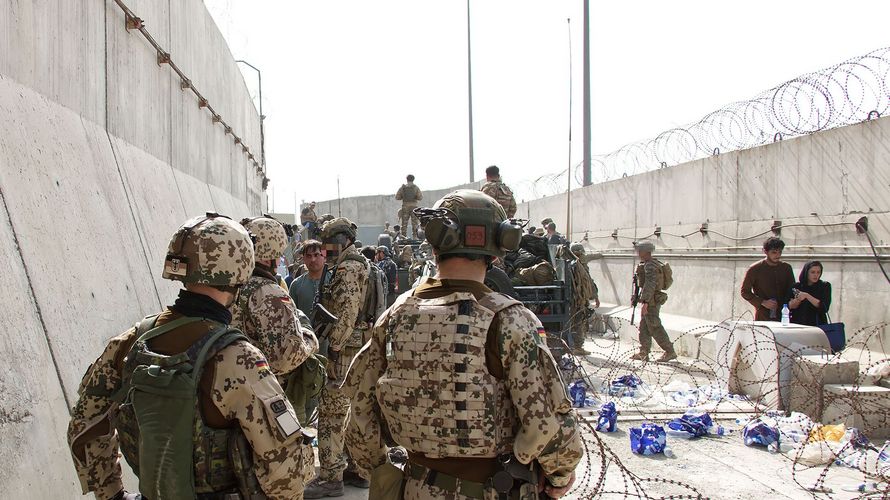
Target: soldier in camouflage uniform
409 194
343 297
245 438
265 312
584 290
461 376
496 188
652 297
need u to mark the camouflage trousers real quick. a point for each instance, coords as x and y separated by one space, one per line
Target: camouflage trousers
333 411
651 328
580 324
407 214
416 489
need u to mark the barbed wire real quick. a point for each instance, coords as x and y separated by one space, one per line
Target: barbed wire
816 479
849 92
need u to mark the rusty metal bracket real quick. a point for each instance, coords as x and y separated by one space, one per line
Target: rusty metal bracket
133 22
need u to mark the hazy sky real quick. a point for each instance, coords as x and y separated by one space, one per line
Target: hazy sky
372 90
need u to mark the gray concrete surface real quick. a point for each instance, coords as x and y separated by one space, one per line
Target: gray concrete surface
102 156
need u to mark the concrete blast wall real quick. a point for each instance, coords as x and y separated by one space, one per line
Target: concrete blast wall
102 156
829 177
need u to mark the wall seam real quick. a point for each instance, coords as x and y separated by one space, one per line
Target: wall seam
135 221
33 296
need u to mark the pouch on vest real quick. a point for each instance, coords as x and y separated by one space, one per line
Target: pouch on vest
387 483
305 384
162 392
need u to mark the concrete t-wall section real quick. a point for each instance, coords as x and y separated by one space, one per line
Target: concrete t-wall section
374 210
102 156
831 177
836 176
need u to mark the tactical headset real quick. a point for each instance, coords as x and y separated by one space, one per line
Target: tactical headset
472 230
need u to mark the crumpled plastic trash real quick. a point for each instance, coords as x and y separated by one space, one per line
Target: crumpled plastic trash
647 439
608 418
567 362
794 428
578 393
828 433
761 431
690 425
625 385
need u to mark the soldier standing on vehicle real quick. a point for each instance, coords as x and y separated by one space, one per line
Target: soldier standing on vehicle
653 277
496 188
190 401
343 296
268 316
409 194
461 376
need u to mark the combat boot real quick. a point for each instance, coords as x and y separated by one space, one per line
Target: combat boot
321 489
353 479
667 356
640 356
580 351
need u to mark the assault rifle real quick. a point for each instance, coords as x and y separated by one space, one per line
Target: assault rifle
323 321
635 298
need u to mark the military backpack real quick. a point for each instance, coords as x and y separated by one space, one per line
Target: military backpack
162 435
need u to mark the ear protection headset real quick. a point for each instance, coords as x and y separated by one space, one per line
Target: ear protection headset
446 230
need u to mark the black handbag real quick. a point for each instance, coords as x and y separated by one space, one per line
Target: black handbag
837 337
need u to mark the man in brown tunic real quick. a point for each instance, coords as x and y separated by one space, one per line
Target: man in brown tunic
767 284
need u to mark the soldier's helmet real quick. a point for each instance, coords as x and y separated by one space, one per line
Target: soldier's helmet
339 225
270 237
467 221
578 249
211 250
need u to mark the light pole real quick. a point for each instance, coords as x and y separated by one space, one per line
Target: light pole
262 116
470 94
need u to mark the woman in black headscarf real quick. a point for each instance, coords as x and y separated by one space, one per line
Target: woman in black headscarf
812 296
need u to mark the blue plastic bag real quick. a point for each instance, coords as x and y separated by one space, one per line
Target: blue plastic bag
760 431
608 418
625 385
647 439
578 393
695 424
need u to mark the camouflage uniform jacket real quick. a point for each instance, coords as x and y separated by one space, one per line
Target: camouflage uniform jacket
548 431
268 316
345 297
584 289
409 194
502 193
648 276
236 387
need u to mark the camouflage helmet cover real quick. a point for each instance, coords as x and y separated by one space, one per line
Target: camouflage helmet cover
478 212
337 226
210 250
270 238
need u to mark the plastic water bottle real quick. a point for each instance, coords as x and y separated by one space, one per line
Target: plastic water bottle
669 452
786 315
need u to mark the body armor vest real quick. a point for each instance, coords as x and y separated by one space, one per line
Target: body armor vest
437 395
161 431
